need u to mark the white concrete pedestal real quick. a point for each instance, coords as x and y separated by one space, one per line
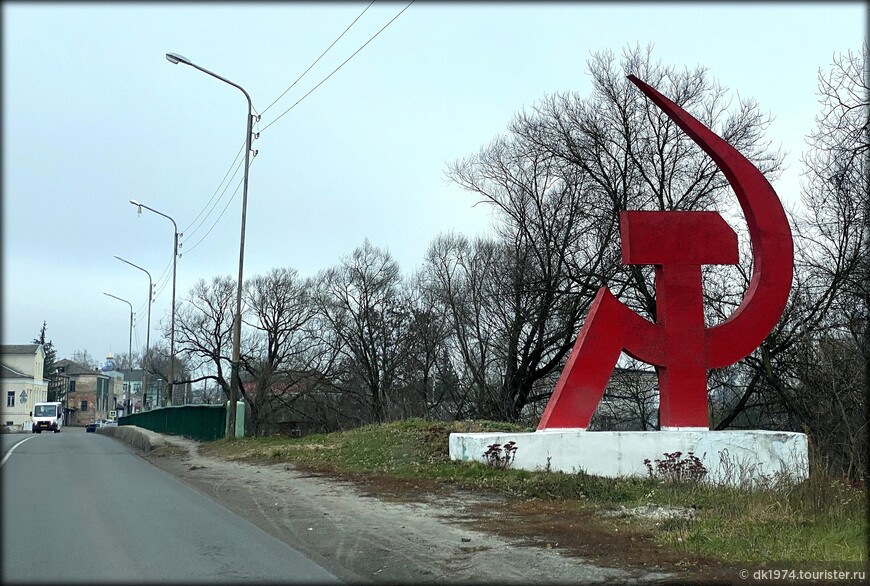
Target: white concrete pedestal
730 457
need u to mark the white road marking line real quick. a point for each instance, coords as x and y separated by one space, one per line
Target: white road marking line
12 449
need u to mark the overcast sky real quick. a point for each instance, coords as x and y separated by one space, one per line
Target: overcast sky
94 115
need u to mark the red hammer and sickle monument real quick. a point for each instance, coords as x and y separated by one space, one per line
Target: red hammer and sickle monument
678 344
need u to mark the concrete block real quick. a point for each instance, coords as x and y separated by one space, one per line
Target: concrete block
730 457
142 439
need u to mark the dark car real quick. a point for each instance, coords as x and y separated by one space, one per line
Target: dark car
92 427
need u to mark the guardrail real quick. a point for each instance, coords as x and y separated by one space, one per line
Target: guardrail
199 422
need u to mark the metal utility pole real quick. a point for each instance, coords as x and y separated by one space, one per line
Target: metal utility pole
129 348
172 313
147 332
237 322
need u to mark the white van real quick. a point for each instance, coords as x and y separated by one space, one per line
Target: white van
47 417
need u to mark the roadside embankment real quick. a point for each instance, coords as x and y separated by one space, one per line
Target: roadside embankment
142 439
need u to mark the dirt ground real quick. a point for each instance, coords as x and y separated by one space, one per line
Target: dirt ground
394 532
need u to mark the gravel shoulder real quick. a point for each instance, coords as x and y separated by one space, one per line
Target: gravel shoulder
409 534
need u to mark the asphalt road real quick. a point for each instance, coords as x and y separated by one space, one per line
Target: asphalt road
82 507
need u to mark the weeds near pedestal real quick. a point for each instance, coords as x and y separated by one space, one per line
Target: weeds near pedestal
499 456
676 469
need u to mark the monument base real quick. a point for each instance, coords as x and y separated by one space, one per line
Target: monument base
730 457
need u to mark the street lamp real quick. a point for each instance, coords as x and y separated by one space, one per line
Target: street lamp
172 326
237 322
129 349
147 332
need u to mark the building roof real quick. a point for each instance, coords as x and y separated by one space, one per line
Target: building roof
286 384
9 372
19 348
68 367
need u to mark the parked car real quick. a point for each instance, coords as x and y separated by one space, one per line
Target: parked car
92 427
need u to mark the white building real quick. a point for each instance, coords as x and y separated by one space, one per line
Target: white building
21 384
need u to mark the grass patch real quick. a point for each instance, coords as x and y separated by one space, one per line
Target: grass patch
818 520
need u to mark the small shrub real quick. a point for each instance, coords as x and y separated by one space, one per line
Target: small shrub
499 456
676 469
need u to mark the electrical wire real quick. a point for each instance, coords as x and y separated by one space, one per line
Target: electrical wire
164 277
162 281
319 58
136 333
189 234
229 201
339 67
213 202
158 289
241 150
223 211
257 122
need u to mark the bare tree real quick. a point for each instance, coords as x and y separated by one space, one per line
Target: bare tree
821 381
558 182
632 156
203 325
124 361
631 401
837 196
810 374
280 309
156 364
362 317
542 272
207 393
511 322
433 388
85 359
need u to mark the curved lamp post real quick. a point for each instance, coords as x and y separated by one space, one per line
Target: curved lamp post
237 321
147 332
129 348
172 313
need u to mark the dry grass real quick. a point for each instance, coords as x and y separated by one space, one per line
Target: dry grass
820 520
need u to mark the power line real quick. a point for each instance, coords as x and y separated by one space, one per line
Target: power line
319 58
190 233
241 149
212 203
339 67
158 289
162 281
136 335
223 211
164 277
207 209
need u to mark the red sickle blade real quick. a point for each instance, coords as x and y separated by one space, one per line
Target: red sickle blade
770 236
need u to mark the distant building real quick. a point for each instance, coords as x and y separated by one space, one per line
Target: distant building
21 369
133 379
116 382
90 393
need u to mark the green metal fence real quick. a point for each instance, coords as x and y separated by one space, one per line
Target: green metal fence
199 422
